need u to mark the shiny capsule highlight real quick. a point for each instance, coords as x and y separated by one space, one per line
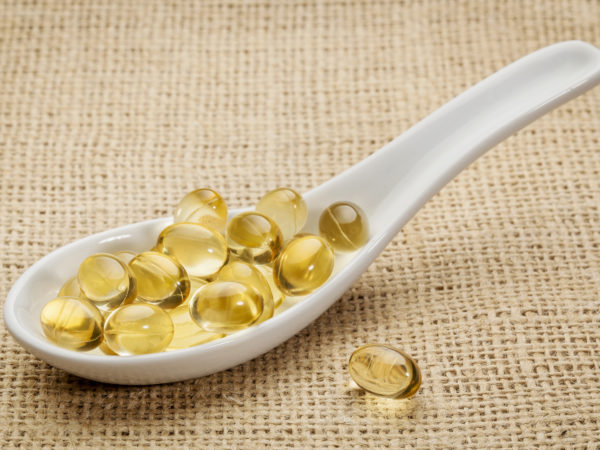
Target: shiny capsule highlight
345 226
254 238
287 208
203 206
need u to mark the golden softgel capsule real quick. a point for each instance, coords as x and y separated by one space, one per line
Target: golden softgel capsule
384 370
72 323
106 281
246 273
138 329
187 332
226 306
200 250
254 237
345 226
70 288
203 206
161 280
303 265
287 208
278 296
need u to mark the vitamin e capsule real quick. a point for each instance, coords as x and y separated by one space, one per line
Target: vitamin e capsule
303 265
161 280
225 306
287 208
138 329
72 323
243 272
125 255
384 370
106 281
278 296
70 288
203 206
344 226
200 250
187 332
254 238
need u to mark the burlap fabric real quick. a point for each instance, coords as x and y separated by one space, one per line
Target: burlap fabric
110 112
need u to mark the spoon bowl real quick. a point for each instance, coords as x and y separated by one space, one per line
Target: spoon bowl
390 185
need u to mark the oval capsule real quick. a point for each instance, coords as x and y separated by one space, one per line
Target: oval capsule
203 206
254 237
344 226
385 371
287 208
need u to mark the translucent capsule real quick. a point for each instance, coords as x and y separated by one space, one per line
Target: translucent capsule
287 208
226 306
303 265
161 280
187 332
70 288
195 284
203 206
72 323
200 250
106 281
243 272
384 370
278 296
138 329
345 226
125 255
254 237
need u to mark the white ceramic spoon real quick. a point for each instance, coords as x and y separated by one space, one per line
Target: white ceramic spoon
391 185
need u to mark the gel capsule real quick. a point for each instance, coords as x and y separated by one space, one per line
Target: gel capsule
287 208
125 255
195 284
254 237
384 370
70 288
138 329
243 272
303 265
203 206
187 332
106 281
226 306
278 296
345 226
72 323
160 279
200 250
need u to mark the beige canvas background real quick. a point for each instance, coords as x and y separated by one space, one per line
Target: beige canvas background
111 111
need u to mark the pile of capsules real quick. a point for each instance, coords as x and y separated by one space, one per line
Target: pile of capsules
204 279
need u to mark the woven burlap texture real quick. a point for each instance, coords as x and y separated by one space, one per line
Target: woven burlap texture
111 111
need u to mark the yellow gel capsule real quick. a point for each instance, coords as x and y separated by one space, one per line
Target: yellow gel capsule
106 281
70 288
160 279
72 323
226 306
125 255
278 296
187 332
138 329
287 208
254 237
345 226
200 250
243 272
384 370
195 284
203 206
303 265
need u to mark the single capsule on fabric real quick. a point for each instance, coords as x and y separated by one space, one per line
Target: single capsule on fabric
138 329
243 272
200 250
187 332
203 206
106 281
254 237
287 208
72 323
125 255
161 280
70 288
303 265
226 306
278 296
345 226
384 370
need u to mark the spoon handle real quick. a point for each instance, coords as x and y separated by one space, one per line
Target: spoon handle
393 183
